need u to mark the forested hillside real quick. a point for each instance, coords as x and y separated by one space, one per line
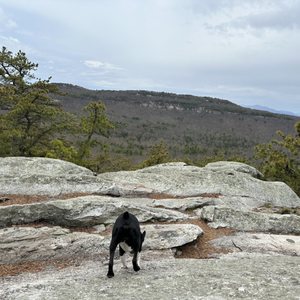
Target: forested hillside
190 126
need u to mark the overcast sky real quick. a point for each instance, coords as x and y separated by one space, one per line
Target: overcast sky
245 51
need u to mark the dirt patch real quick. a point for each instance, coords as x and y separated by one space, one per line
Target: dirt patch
210 195
37 266
22 199
28 199
162 196
12 199
202 248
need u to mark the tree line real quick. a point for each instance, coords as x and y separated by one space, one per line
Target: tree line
33 123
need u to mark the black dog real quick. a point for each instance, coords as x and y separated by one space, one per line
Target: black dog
127 234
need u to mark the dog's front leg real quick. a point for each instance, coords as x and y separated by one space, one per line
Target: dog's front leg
134 261
112 250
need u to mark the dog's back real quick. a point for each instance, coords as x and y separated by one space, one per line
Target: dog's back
126 220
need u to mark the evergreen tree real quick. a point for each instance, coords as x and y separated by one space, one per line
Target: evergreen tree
280 158
158 154
30 119
93 125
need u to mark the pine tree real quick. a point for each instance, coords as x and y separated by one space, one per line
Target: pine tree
280 158
30 119
93 125
158 154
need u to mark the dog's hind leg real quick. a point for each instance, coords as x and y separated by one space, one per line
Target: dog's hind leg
112 249
134 261
139 259
123 257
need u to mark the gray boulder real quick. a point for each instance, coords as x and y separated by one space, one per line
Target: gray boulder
260 243
30 166
170 236
229 166
186 203
84 211
43 176
250 221
20 244
181 180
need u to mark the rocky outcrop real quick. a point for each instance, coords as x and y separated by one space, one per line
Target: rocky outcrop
20 244
251 221
84 211
170 236
43 176
181 180
242 277
222 194
260 243
229 166
186 204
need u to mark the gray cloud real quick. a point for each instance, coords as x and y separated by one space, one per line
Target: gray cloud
245 51
283 17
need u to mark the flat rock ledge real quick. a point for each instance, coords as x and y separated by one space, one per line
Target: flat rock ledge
250 221
52 177
20 244
265 246
243 277
260 243
84 211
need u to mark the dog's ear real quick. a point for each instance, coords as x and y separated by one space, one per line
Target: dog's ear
143 235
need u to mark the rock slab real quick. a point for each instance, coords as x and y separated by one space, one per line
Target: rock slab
44 176
260 243
221 279
84 211
21 244
250 221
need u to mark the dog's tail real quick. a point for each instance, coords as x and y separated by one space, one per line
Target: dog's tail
126 215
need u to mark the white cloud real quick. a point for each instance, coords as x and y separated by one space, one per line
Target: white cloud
104 66
11 43
6 23
258 16
104 83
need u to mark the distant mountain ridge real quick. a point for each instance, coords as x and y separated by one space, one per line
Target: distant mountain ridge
275 111
192 126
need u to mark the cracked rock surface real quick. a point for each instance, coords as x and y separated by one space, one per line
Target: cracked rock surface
245 277
224 210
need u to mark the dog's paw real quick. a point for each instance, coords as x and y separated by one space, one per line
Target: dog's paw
136 268
110 274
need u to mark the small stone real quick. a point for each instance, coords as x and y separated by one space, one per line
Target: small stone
99 228
4 199
290 241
